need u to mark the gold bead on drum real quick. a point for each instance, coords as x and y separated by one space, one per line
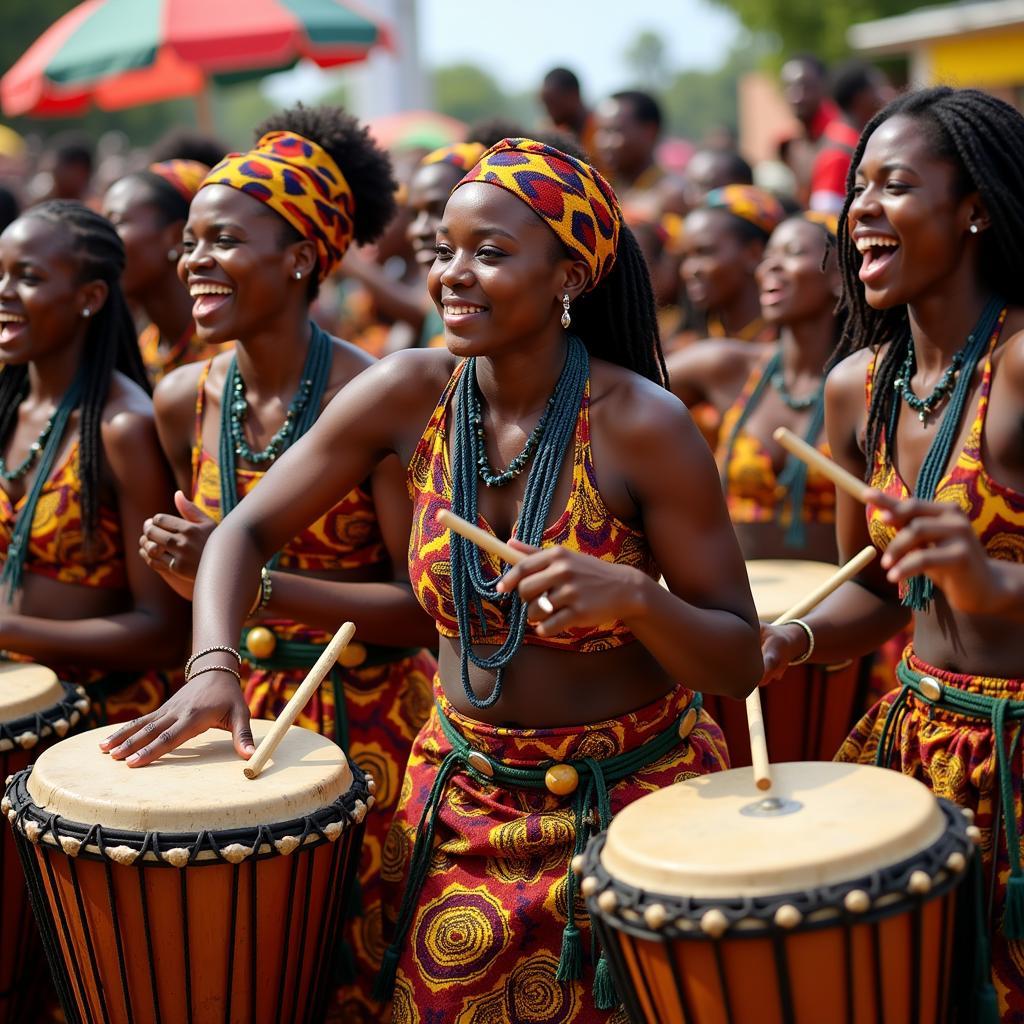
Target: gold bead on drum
714 923
27 740
608 901
919 883
561 779
352 656
787 916
857 901
588 886
956 862
61 726
974 834
655 916
686 724
260 642
480 763
577 865
930 688
177 857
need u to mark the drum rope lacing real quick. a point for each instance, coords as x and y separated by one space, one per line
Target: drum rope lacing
595 778
26 731
999 712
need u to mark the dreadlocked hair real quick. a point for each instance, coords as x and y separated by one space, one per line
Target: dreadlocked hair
110 344
983 137
617 321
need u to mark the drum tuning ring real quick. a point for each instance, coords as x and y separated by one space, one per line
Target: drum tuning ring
771 807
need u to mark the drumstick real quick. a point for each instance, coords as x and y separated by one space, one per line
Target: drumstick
755 719
481 538
299 700
842 478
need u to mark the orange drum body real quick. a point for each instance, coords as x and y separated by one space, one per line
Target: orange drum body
183 892
35 710
809 712
841 907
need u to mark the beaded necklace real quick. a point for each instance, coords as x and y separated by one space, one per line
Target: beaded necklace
470 586
34 451
17 550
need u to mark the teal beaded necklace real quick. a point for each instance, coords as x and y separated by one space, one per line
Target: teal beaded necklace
34 451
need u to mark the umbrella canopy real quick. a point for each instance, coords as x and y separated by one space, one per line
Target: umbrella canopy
123 53
416 129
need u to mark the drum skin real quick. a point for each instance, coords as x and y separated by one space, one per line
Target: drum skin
25 692
238 925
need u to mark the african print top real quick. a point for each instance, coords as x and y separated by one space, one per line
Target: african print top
752 490
57 545
996 512
347 537
188 349
585 525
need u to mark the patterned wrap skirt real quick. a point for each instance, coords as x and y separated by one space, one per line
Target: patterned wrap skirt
385 704
486 931
955 755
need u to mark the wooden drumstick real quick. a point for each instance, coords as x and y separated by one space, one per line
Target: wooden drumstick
842 478
299 700
481 538
755 718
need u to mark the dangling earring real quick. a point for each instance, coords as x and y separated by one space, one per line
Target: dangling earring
566 319
973 229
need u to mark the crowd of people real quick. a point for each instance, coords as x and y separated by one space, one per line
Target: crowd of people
247 383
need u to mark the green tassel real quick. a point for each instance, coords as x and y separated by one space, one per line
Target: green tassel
605 995
384 986
1013 918
986 1005
570 963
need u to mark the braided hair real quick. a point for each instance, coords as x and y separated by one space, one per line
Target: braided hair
367 168
983 137
110 343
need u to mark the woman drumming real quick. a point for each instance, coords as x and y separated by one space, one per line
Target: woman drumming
925 405
266 227
149 209
81 467
577 658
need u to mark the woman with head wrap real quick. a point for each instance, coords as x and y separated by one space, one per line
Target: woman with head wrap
547 420
264 230
149 209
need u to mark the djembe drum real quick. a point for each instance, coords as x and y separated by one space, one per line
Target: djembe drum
35 711
811 709
834 901
184 892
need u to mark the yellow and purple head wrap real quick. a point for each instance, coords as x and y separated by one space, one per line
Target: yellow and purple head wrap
300 181
460 155
750 203
184 176
567 194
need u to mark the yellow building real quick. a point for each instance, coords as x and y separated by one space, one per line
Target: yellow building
964 44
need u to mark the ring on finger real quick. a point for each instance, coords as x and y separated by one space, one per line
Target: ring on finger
170 563
545 605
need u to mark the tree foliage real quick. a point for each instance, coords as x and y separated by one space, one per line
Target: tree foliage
467 92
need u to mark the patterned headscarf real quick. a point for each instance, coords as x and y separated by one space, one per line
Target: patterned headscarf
300 181
567 194
749 203
184 176
461 155
829 221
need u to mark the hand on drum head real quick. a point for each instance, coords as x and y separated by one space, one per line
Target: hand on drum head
780 645
214 701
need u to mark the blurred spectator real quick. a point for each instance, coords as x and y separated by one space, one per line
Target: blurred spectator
65 169
560 94
709 169
628 127
489 130
859 91
184 144
8 208
804 85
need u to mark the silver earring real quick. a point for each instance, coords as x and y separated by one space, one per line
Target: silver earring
172 255
87 313
566 319
973 229
298 275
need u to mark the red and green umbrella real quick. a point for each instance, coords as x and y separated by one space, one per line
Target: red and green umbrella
124 53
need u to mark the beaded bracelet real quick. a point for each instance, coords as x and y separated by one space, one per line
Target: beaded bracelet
262 594
213 668
810 640
211 650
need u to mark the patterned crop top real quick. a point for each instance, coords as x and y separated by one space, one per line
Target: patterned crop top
57 546
347 537
585 525
752 490
996 512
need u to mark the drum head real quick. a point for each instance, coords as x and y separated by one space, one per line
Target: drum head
198 786
778 584
707 837
27 690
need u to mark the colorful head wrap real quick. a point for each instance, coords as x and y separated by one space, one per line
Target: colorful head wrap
184 176
460 155
567 194
300 181
829 221
749 203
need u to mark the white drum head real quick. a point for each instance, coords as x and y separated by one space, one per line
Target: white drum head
27 690
777 584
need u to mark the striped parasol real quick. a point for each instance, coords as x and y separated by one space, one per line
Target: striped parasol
125 53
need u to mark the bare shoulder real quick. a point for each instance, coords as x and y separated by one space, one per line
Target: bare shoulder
176 393
128 421
1011 352
714 359
847 380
